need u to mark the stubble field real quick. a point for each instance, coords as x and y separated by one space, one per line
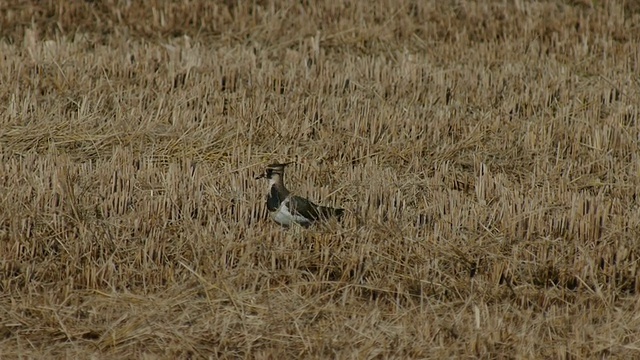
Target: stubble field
486 153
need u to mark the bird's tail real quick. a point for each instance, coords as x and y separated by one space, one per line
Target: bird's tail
328 212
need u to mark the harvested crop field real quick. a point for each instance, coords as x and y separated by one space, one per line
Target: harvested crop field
486 154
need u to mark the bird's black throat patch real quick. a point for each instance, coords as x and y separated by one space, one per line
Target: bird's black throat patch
273 199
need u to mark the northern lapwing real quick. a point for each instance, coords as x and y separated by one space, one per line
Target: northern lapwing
286 208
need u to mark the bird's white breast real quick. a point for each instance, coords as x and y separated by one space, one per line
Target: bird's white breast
283 217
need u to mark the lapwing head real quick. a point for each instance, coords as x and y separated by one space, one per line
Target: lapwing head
274 172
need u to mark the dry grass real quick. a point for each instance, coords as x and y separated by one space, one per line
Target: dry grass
487 153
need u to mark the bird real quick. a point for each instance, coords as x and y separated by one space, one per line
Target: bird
286 208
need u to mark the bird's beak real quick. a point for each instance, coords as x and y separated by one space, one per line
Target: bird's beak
260 176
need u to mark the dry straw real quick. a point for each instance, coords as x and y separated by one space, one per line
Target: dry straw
487 153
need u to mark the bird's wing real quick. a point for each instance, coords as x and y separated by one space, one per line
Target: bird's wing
303 207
